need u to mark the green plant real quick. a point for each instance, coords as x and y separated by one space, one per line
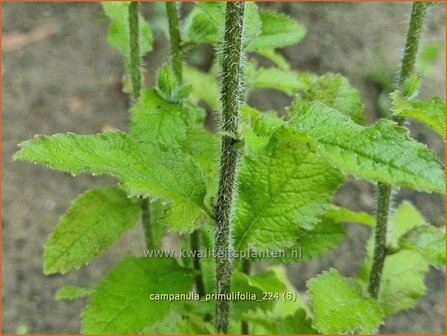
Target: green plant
271 192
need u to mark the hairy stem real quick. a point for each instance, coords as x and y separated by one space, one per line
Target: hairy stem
195 246
231 93
134 66
246 268
174 36
135 77
385 191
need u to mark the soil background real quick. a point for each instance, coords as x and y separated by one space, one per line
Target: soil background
68 79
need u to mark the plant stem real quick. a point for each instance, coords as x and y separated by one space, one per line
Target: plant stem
246 268
135 76
174 36
177 68
385 191
195 246
231 93
134 66
146 220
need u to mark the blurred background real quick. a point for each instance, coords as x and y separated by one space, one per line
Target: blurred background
60 75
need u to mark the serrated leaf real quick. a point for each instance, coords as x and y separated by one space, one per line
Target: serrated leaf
118 36
340 307
429 111
153 119
428 241
204 86
288 82
72 292
345 215
326 234
334 91
121 302
402 282
381 152
312 243
144 169
278 30
411 86
94 221
284 188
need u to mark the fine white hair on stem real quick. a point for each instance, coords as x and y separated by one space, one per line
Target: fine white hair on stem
231 86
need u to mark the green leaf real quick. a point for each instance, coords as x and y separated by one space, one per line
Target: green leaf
204 86
288 82
203 146
257 285
334 91
326 234
296 324
278 30
169 88
411 86
345 215
405 218
285 308
156 212
94 221
144 169
402 283
309 244
153 119
205 22
72 292
428 55
428 111
194 325
168 325
121 302
118 36
428 241
340 307
275 57
284 188
382 152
